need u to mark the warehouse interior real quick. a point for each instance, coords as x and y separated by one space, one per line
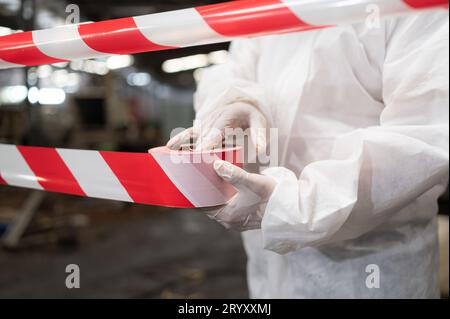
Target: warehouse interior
120 103
128 104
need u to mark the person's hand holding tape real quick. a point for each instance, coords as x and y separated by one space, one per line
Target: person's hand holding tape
246 209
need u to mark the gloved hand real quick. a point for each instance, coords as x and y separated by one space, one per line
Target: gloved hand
211 130
246 209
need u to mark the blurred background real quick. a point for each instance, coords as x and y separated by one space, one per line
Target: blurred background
120 103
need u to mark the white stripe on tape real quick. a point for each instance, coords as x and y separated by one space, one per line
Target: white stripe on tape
177 28
63 42
326 12
15 170
93 175
7 65
197 185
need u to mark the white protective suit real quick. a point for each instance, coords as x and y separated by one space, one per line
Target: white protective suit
363 119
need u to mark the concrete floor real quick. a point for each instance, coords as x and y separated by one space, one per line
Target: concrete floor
130 251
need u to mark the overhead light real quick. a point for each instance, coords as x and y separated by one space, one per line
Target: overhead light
185 63
46 96
51 96
90 66
193 62
102 66
119 61
44 71
46 19
95 67
59 78
138 79
13 94
61 64
62 78
32 76
76 65
11 5
218 57
33 95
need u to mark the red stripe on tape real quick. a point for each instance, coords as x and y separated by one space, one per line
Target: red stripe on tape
144 179
119 36
236 157
251 17
50 170
2 181
418 4
19 48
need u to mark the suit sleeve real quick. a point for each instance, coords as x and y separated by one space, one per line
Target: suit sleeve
376 171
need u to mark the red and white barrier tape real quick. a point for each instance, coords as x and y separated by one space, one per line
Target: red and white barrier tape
189 27
160 177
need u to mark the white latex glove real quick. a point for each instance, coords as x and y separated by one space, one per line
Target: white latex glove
210 131
246 209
